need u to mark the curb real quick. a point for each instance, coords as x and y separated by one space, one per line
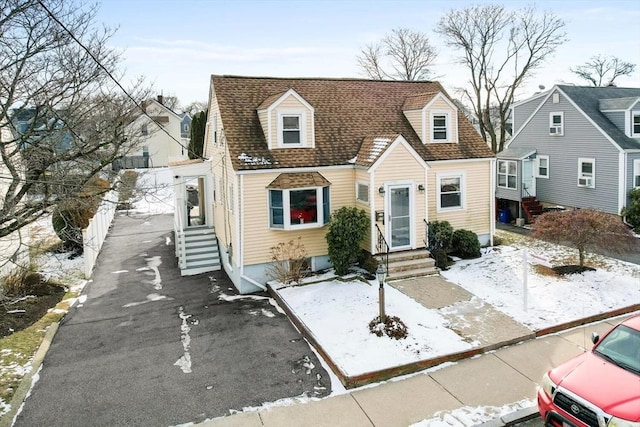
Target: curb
513 418
27 381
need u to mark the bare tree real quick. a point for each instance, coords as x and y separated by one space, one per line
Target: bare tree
603 70
63 112
500 49
194 107
402 55
584 229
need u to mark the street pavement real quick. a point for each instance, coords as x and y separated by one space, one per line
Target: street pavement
151 348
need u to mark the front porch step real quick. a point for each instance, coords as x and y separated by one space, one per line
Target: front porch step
407 264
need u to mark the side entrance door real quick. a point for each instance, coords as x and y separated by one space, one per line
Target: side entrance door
528 180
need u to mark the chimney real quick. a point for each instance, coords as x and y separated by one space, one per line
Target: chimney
160 99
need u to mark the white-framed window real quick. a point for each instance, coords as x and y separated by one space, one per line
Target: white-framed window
299 208
556 123
362 192
542 166
507 174
144 130
440 126
635 124
636 173
586 172
451 191
291 128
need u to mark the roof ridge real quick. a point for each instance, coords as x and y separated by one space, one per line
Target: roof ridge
356 79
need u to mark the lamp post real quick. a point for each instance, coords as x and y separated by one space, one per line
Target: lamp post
381 274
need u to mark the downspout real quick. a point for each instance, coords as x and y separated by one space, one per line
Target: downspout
492 200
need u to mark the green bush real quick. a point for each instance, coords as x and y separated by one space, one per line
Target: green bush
465 244
440 234
441 258
632 212
347 228
368 262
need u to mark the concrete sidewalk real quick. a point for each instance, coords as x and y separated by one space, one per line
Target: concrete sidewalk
503 377
508 370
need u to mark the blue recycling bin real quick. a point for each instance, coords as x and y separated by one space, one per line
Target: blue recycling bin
504 216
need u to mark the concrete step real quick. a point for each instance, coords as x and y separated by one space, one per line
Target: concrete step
410 264
419 272
198 270
213 255
408 255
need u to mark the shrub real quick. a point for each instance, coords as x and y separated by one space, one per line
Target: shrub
21 281
441 258
368 262
632 212
392 327
440 234
347 228
288 261
71 216
465 244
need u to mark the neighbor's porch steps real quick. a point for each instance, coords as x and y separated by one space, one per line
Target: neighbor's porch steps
416 263
201 251
532 208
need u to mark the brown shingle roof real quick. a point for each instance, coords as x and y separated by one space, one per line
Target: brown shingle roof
299 180
347 111
418 101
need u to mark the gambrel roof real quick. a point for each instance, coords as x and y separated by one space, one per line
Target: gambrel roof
347 114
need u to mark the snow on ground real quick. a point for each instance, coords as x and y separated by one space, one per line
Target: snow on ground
338 314
497 278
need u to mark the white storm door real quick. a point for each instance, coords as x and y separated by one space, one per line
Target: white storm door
400 219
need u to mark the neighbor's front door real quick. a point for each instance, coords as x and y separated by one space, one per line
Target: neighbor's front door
528 180
400 220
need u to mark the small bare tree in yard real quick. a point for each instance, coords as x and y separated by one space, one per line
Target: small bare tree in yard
62 112
584 229
500 50
404 54
288 261
603 70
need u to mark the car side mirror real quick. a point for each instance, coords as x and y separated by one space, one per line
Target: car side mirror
595 337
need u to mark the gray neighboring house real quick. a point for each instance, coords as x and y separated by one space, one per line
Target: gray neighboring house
572 147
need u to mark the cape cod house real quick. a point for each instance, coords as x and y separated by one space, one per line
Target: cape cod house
573 147
281 154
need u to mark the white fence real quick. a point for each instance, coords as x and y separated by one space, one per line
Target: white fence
93 236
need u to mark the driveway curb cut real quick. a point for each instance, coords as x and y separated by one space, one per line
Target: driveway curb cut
25 384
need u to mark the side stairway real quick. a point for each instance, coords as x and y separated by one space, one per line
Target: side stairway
532 208
407 264
200 253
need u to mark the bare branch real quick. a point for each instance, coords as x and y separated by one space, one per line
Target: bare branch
603 70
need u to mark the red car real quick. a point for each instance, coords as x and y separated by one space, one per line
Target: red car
599 388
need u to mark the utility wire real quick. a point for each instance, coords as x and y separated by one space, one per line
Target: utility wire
97 61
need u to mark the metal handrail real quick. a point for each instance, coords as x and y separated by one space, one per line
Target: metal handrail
426 233
181 245
382 248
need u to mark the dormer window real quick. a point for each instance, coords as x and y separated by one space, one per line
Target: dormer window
291 130
440 127
635 126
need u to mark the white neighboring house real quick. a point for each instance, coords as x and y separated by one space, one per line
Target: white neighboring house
159 132
13 248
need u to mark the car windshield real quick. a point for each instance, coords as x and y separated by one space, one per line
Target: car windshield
622 347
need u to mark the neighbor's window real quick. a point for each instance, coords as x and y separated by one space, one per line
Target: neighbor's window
507 174
542 166
586 172
297 208
439 127
362 192
144 130
636 173
450 192
556 123
636 124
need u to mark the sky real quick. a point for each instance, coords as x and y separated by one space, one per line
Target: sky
178 45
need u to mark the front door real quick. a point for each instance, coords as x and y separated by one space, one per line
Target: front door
194 201
400 221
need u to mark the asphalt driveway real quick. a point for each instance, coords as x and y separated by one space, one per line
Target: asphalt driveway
150 348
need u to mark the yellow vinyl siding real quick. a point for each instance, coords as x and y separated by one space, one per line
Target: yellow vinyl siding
415 119
400 166
476 215
225 220
258 238
214 111
264 123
